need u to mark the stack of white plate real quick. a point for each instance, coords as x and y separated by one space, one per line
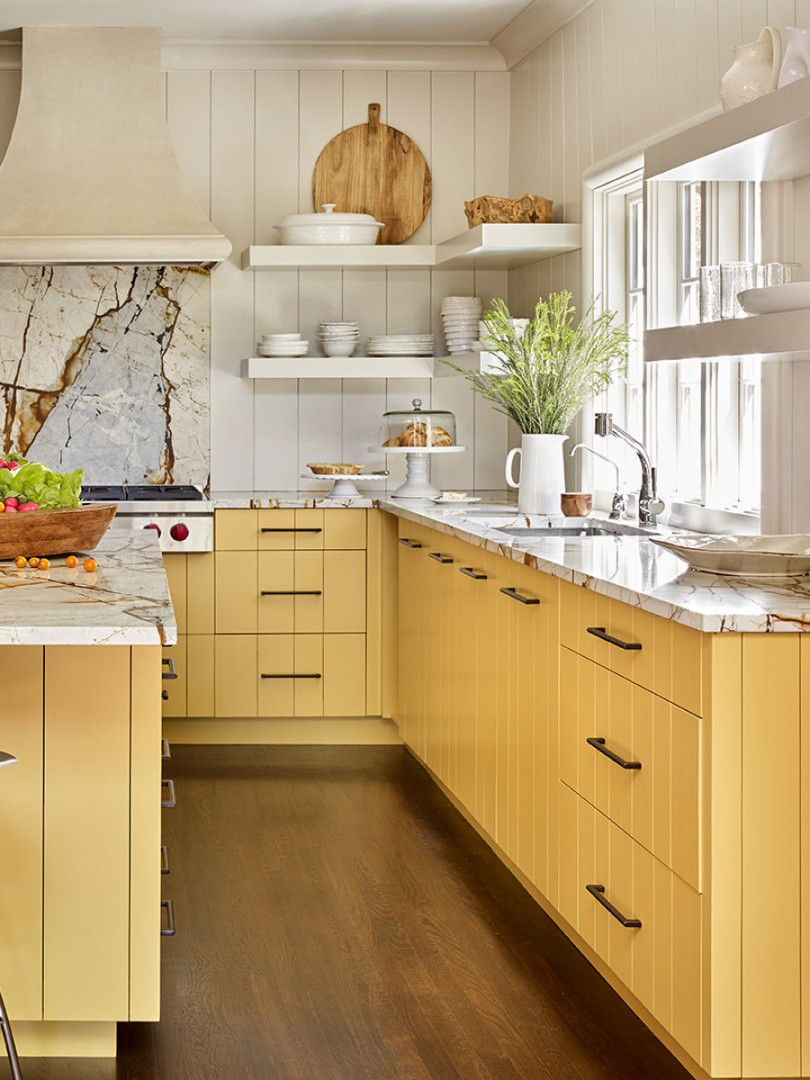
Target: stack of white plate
460 315
338 338
401 345
282 345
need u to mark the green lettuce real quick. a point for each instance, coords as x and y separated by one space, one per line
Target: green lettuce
33 482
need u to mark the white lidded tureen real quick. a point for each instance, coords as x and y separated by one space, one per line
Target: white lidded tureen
329 228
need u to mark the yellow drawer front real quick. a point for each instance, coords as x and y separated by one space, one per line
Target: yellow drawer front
662 656
311 592
344 591
411 638
344 674
650 786
345 529
237 592
175 703
235 667
276 578
290 675
659 961
200 675
236 530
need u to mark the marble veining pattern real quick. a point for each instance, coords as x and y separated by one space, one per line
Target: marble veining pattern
107 368
125 601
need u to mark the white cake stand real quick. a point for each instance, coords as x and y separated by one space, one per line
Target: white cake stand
417 478
343 486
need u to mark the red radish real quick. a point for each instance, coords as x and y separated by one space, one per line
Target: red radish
10 509
3 463
28 506
12 501
13 465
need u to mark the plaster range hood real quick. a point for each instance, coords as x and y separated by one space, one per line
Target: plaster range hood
90 174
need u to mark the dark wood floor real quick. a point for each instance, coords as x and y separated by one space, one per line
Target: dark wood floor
338 920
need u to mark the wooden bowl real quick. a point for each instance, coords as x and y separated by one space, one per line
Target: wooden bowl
54 532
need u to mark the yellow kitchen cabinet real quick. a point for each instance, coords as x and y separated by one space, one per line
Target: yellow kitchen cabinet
175 703
199 592
238 530
191 585
412 616
237 592
344 675
176 574
235 675
200 663
312 592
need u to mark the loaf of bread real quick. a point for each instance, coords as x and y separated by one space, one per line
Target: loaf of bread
418 434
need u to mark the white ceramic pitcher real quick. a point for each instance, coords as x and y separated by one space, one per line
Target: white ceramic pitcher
541 479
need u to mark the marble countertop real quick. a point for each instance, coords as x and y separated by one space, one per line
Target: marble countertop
125 601
628 568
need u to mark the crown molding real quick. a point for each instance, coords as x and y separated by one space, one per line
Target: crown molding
534 25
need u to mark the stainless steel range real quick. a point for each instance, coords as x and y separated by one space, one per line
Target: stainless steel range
180 514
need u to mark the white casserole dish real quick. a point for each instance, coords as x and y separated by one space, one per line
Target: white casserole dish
329 228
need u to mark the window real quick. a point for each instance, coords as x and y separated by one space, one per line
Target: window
699 420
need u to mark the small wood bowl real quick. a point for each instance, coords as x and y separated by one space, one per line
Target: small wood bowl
576 503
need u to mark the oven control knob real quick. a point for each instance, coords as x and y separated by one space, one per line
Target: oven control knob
153 526
179 531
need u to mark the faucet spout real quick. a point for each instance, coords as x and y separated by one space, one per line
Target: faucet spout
649 505
617 507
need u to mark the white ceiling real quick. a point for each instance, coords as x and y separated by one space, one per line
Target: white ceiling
315 21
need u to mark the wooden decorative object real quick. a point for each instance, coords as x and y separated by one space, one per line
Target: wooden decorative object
375 169
576 504
54 532
495 210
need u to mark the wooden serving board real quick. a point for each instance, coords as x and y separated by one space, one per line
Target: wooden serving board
375 169
54 532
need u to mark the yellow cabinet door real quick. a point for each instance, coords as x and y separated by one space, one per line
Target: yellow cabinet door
276 582
478 577
344 591
276 670
411 638
175 702
176 568
438 626
237 592
200 592
21 807
344 674
235 675
465 637
87 833
200 666
236 530
345 529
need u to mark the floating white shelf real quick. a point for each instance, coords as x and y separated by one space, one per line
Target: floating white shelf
765 139
499 247
365 367
784 334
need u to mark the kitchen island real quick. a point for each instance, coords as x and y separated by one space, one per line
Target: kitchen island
80 663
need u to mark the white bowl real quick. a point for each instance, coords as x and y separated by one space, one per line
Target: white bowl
742 556
771 299
338 348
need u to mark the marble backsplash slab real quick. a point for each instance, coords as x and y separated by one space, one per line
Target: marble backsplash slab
106 368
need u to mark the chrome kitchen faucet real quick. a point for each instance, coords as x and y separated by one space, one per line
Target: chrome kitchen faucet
617 505
649 505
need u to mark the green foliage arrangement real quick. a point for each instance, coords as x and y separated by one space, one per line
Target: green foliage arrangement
552 367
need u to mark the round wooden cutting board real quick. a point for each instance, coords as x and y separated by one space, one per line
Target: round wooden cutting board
374 169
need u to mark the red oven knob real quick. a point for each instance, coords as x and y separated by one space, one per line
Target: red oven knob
153 526
179 531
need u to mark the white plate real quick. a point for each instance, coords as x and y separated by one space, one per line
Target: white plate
743 556
794 296
441 501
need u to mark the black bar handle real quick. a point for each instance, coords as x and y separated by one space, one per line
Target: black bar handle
597 892
172 672
599 631
516 596
168 929
274 530
599 744
437 555
315 675
292 592
165 749
408 542
468 570
170 801
164 859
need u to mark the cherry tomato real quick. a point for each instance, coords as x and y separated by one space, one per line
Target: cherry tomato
20 562
34 562
44 564
89 565
71 561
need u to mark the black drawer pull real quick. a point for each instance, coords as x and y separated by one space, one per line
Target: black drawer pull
599 631
170 801
599 744
516 596
437 555
274 530
408 542
165 749
315 675
468 570
292 592
597 892
172 672
164 859
168 929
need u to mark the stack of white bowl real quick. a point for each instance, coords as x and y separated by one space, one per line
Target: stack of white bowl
282 345
460 315
338 338
401 345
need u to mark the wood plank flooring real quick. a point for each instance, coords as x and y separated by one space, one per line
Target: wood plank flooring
338 920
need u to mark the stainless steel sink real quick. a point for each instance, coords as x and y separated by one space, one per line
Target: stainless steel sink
542 532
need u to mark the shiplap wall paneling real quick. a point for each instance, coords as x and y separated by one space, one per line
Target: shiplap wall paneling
409 96
320 419
232 209
364 400
276 465
277 153
455 471
188 114
594 46
490 442
452 150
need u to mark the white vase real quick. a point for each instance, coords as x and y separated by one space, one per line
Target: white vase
755 70
796 55
541 480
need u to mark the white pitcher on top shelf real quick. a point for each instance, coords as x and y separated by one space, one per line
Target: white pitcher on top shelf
755 70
